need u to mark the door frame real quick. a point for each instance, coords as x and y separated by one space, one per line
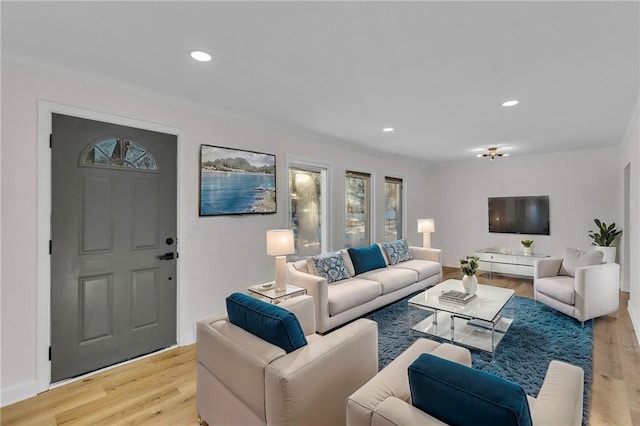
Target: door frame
43 227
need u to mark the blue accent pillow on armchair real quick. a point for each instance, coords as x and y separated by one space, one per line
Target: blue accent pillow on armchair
366 258
459 395
272 323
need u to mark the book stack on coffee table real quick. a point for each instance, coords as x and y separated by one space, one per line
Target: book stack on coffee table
457 297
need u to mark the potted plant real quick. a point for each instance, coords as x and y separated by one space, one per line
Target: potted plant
526 247
603 237
469 267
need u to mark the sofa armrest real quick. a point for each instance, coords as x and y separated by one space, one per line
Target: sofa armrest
304 309
393 412
434 255
544 268
317 288
597 290
307 385
559 401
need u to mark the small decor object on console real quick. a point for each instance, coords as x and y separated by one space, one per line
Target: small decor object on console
455 296
526 247
469 266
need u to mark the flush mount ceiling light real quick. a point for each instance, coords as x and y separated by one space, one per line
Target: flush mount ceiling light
199 55
510 103
388 129
493 153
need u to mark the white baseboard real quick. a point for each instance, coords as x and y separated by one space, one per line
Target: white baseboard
635 321
187 338
18 393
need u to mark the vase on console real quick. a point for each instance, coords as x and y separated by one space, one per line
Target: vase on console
470 284
469 266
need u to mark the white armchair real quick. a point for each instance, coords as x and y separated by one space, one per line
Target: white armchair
592 292
244 380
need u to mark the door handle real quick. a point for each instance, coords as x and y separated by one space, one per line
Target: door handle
166 256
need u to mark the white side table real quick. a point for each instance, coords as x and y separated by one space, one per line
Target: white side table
274 296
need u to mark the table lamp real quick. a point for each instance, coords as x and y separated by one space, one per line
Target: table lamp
280 244
426 226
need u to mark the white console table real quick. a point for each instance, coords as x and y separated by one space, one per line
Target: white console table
504 261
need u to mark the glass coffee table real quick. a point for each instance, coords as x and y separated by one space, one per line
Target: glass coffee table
480 324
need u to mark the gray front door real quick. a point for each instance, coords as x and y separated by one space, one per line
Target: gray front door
113 248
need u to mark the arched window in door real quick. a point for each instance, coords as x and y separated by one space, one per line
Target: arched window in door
114 152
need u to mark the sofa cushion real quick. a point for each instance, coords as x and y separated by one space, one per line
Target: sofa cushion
271 323
397 251
350 293
366 258
330 266
560 288
424 268
456 394
391 279
576 258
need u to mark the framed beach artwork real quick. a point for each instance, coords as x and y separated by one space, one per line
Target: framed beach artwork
235 181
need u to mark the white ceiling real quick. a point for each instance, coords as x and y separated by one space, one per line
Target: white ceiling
435 71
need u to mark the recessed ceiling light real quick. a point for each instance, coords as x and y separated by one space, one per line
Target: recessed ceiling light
199 55
388 129
513 102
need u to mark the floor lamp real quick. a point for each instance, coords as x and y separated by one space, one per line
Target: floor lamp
280 244
426 226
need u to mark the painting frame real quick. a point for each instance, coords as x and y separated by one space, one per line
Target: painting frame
236 181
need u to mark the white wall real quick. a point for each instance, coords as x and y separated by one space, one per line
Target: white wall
581 186
631 155
219 255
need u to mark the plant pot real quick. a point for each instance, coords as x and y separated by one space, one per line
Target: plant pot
527 251
470 284
609 253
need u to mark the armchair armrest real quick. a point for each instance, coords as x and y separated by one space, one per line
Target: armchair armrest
597 290
434 255
307 384
544 268
393 412
317 287
303 308
559 401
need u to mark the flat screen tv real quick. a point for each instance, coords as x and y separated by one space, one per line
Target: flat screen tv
519 215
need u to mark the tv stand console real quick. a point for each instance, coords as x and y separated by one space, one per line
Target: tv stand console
507 261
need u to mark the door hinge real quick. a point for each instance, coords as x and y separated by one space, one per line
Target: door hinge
49 353
177 255
50 247
50 140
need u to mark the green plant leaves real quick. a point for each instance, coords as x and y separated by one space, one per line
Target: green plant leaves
605 235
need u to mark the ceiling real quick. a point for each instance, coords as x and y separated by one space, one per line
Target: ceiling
435 71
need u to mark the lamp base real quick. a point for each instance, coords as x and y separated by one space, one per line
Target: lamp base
426 239
281 273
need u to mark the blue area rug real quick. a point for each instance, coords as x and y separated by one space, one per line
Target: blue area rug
538 335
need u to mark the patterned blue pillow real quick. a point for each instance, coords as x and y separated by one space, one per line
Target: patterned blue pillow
397 251
330 266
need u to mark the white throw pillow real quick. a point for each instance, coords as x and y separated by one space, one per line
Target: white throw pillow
576 258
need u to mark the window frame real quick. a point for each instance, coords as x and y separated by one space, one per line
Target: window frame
400 225
368 219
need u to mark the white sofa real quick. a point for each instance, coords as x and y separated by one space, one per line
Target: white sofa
342 301
244 380
385 400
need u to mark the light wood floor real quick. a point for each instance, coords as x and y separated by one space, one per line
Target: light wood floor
160 390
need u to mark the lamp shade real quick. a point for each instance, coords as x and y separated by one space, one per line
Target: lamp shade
426 225
280 242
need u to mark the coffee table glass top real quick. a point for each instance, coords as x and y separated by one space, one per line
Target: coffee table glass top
486 306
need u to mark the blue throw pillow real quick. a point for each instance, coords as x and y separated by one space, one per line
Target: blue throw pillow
397 251
459 395
272 323
330 266
366 258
